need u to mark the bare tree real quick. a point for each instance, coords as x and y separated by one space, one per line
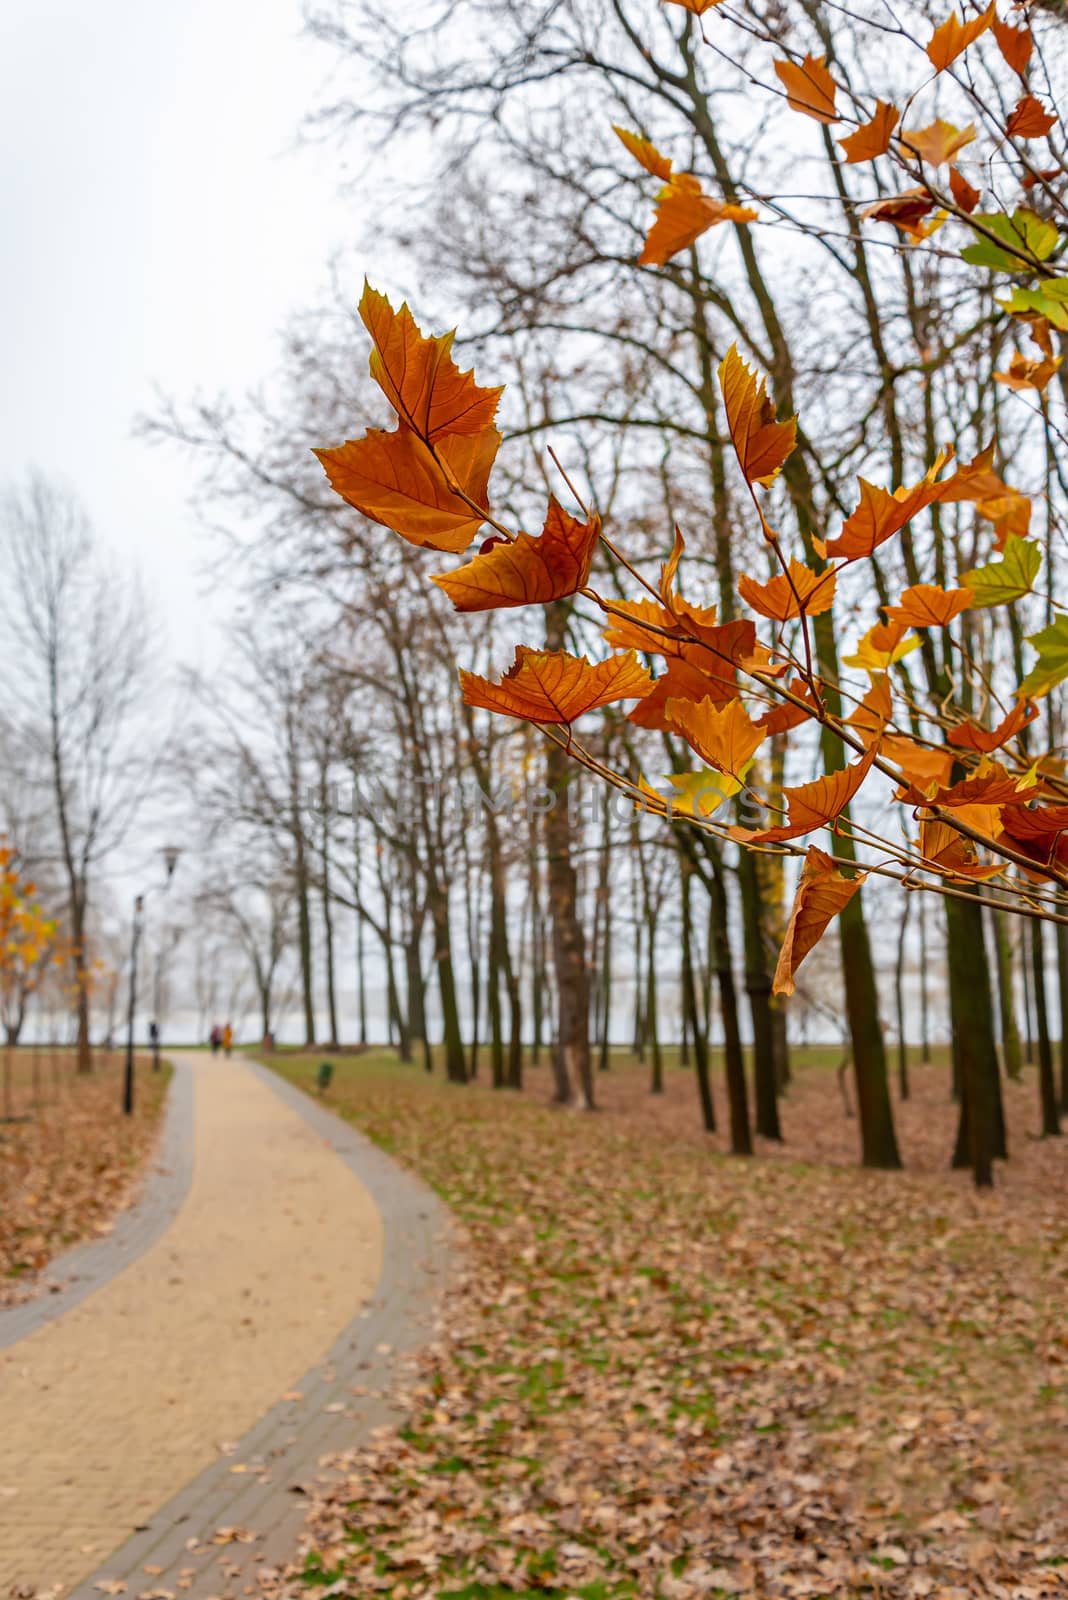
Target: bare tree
77 642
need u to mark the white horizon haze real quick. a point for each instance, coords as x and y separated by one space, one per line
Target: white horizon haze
161 223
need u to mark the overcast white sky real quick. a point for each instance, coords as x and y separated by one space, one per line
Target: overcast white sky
157 227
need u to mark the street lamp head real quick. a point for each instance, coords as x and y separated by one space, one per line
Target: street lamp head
171 852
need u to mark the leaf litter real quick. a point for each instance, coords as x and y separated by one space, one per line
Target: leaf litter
69 1160
668 1373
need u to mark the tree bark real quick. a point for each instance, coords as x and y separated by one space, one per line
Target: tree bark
1010 1033
574 1068
925 1029
1062 986
689 1000
973 1040
574 1076
455 1061
899 996
733 1056
878 1141
328 945
758 988
1029 1035
1047 1088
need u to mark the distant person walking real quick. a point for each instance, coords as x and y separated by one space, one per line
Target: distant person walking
215 1037
227 1039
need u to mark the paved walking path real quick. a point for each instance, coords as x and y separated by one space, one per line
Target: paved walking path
154 1433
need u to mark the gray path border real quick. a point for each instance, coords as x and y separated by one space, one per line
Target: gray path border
73 1276
266 1504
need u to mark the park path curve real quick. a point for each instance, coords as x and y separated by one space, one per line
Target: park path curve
158 1431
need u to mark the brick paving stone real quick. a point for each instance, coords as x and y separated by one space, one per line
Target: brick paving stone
70 1277
302 1263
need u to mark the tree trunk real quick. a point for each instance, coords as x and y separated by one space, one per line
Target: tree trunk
574 1067
758 988
639 993
878 1140
328 951
537 952
604 897
304 933
973 1040
574 1076
1010 1033
1062 985
413 976
497 1072
1047 1088
899 997
81 987
361 977
455 1062
733 1056
1029 1036
689 1000
925 1028
397 1017
476 1005
652 1021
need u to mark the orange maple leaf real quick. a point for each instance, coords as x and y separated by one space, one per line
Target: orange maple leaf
761 443
698 7
822 893
646 626
669 570
1040 333
951 854
1025 374
781 718
1010 514
645 152
869 719
906 211
991 785
784 597
699 621
1037 832
881 513
872 138
813 805
920 764
529 571
938 142
418 376
551 686
927 605
954 36
707 669
397 480
963 193
809 87
1014 43
975 480
723 648
724 736
683 213
1030 119
971 735
681 681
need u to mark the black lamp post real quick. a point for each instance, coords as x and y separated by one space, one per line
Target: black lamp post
170 861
